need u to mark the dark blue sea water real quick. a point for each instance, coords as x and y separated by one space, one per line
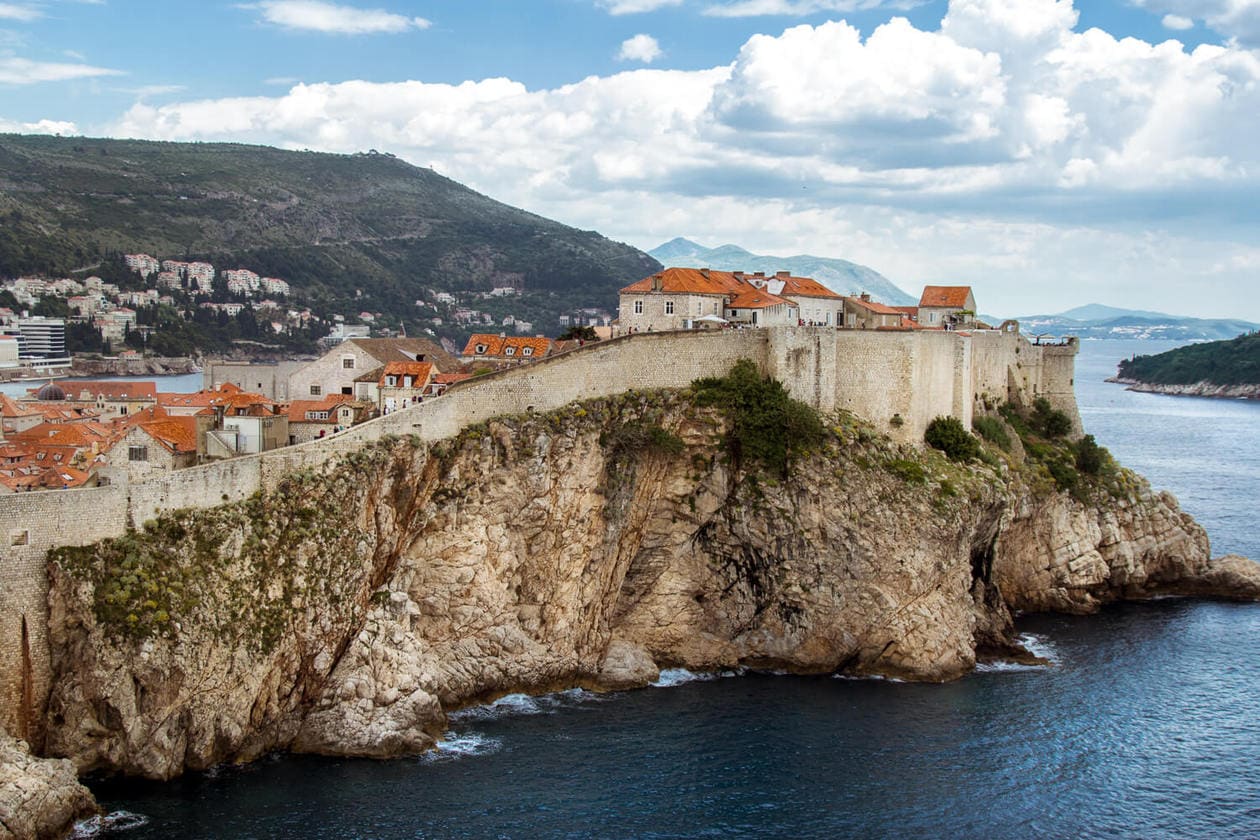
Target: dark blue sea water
1147 726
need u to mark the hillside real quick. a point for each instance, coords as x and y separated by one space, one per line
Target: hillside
350 233
1108 322
840 276
1221 363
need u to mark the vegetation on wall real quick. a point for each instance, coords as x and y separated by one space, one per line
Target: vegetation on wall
1232 362
767 426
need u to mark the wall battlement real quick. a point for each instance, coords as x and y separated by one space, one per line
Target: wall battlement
879 376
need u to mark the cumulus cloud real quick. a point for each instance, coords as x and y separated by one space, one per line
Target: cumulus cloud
12 11
1177 22
634 7
320 16
757 8
989 147
22 71
639 48
40 127
1238 19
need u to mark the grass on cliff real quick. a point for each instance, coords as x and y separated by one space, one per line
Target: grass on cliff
767 426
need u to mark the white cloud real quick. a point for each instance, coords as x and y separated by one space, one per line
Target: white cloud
1177 22
756 8
319 16
1003 148
12 11
40 127
21 71
634 7
1233 18
640 48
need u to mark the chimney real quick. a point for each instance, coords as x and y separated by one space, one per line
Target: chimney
866 296
760 274
739 275
658 282
783 274
705 272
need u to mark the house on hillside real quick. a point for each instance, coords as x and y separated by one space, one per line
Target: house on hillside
499 349
338 369
947 307
862 313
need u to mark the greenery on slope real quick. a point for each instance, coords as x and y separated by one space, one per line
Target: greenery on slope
1232 362
349 232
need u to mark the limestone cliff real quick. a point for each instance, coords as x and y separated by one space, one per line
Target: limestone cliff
347 612
38 797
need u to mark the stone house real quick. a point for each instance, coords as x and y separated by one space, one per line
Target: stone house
154 448
314 419
112 398
947 307
862 313
403 384
336 371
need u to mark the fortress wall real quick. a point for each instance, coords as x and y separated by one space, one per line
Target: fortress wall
30 524
874 374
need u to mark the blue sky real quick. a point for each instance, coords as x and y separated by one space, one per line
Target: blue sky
1050 154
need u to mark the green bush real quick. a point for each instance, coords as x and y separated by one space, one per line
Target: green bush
948 435
1049 421
641 436
992 430
767 426
1090 457
911 472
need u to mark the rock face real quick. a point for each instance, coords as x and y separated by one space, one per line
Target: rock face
350 612
1198 389
38 797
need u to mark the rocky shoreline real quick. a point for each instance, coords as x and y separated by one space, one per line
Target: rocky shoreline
1198 389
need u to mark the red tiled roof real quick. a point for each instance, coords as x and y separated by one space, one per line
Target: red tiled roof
806 287
111 389
298 408
178 434
701 281
751 297
418 371
451 378
9 408
875 306
497 345
952 297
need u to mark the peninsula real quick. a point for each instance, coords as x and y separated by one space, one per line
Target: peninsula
1212 369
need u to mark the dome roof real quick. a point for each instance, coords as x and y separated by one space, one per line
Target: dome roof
51 391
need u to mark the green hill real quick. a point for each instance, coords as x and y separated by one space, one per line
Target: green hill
349 232
1232 362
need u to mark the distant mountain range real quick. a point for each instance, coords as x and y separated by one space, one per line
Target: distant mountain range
1108 322
841 276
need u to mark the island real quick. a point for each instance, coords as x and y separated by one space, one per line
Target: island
1212 369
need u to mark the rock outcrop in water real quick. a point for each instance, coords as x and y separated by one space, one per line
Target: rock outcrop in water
348 612
39 797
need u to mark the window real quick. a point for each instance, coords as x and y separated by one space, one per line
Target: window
122 409
137 453
317 390
317 415
20 537
407 381
669 307
527 351
347 362
346 389
638 307
391 381
509 351
479 349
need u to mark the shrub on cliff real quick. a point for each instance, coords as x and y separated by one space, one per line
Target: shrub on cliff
992 430
948 435
1090 457
767 426
1050 421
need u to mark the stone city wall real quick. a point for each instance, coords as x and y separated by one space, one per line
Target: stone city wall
876 375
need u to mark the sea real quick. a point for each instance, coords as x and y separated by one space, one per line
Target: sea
1146 724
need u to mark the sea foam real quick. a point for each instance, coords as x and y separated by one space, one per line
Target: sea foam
107 824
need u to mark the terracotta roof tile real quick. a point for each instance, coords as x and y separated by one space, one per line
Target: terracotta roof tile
875 306
952 297
753 298
111 389
499 346
178 434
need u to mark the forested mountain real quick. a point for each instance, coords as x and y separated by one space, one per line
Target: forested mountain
350 233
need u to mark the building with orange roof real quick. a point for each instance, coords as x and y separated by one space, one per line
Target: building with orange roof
156 447
499 349
862 313
313 419
402 384
689 298
342 368
947 307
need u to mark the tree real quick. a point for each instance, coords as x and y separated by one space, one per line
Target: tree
576 333
948 435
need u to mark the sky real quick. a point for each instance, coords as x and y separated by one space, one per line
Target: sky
1047 153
